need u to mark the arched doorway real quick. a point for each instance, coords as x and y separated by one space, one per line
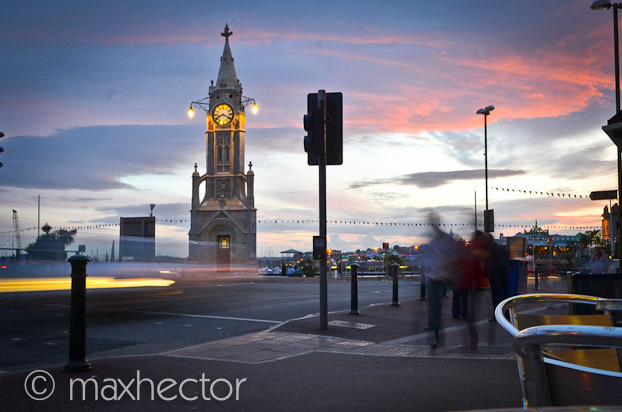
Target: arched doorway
223 253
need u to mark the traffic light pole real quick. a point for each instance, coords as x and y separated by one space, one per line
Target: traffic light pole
324 146
321 103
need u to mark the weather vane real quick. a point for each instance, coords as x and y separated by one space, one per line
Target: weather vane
226 33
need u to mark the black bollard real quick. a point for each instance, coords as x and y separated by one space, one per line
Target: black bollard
394 269
354 290
537 279
77 331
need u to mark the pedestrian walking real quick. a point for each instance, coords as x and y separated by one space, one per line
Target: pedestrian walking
439 260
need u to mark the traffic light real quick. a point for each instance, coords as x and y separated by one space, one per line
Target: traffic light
334 129
313 140
489 221
1 148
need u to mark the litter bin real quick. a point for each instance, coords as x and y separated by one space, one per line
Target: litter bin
517 278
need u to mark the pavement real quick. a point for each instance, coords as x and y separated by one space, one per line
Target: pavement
380 359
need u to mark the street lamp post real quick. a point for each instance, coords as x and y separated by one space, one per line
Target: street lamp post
601 5
488 214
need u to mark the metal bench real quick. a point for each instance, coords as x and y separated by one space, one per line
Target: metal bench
565 360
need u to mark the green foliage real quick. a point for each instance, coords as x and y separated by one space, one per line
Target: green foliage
308 268
66 236
592 238
390 259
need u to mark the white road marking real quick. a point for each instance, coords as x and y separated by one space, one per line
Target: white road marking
189 315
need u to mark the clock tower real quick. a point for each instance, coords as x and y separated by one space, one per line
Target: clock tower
223 218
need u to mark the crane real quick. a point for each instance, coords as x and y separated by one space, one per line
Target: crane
18 234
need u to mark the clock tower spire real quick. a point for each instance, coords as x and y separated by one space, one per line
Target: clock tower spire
223 221
227 78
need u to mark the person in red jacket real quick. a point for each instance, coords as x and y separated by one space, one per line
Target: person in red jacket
478 255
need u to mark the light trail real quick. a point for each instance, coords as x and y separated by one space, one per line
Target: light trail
64 283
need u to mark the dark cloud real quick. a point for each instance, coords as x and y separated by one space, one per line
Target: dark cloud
428 180
507 137
83 199
585 162
98 157
551 129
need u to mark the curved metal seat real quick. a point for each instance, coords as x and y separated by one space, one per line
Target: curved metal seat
565 360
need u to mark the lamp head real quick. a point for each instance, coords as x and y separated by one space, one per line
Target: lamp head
190 112
486 110
254 108
600 5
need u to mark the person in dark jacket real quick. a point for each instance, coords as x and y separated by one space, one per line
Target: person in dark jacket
497 269
460 287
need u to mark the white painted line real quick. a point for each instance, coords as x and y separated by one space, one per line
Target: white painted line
189 315
207 316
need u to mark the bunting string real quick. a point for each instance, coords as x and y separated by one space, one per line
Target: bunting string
332 222
415 224
87 227
540 193
54 228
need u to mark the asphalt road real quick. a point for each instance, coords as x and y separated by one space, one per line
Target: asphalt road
34 327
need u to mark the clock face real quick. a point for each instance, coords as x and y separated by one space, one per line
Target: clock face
222 114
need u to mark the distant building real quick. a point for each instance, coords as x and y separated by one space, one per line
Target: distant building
223 218
609 220
544 244
47 247
137 238
51 245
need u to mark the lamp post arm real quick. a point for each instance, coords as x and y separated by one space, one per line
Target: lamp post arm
204 103
248 101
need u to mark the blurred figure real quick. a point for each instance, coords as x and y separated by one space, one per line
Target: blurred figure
497 270
599 262
460 288
439 258
475 273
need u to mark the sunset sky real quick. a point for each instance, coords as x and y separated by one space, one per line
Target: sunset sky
94 96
